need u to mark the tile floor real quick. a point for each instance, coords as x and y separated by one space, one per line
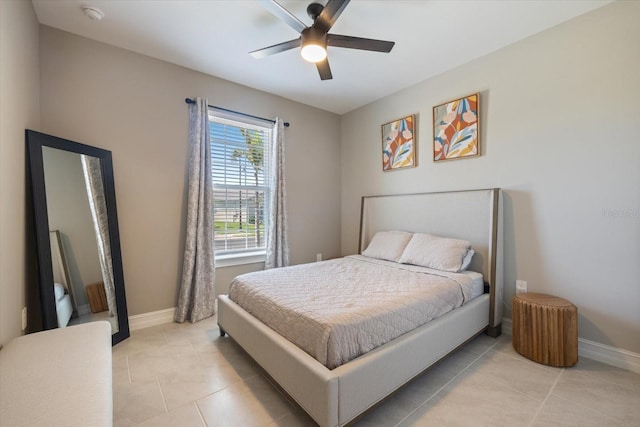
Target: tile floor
186 375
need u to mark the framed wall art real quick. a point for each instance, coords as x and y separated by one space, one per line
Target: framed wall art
456 129
399 144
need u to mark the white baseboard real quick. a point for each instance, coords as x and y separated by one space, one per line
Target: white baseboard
84 309
507 326
611 355
592 350
154 318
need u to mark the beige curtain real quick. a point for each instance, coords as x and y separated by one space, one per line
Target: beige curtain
197 292
95 190
277 245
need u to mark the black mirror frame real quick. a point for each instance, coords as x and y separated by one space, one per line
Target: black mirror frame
35 142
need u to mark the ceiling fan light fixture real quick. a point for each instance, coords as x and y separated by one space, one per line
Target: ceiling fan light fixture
314 45
313 52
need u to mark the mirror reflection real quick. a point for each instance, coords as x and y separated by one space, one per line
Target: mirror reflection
80 271
79 237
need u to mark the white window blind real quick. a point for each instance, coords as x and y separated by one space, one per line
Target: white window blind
239 163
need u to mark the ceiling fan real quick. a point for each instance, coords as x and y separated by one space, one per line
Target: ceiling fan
314 40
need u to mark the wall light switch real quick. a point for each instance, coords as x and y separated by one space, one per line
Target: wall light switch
521 286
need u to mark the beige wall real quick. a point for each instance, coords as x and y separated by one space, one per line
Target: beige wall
19 109
134 106
560 134
69 212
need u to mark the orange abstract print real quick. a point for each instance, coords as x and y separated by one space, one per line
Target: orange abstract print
398 144
455 129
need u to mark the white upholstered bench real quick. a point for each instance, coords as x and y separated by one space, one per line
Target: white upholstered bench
60 377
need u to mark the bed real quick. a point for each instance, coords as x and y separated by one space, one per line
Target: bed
64 307
338 394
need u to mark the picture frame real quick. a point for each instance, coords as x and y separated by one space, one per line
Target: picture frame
456 129
399 144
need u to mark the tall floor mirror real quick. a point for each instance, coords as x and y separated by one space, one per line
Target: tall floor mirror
78 244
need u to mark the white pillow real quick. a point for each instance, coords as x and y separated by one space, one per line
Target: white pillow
58 291
440 253
387 245
466 262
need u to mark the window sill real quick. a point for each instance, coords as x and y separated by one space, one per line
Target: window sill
240 259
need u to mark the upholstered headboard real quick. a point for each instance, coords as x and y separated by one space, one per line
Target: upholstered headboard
473 215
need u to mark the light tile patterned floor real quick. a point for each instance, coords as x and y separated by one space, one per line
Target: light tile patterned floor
186 375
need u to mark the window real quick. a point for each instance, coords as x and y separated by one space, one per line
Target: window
239 163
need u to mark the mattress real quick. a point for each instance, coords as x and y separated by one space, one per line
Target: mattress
340 309
477 283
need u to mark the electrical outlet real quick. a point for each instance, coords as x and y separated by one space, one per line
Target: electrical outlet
24 318
318 257
521 286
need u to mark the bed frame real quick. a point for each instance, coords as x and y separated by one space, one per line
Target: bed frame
336 397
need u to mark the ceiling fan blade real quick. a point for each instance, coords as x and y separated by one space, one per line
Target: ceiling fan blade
278 11
276 48
349 42
330 14
324 69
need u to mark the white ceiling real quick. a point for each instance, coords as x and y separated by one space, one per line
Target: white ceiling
214 37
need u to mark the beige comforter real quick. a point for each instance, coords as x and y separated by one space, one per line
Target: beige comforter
340 309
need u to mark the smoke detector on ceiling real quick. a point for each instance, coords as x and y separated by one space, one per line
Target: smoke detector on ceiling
93 13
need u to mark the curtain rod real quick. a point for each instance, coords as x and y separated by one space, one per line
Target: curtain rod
191 101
